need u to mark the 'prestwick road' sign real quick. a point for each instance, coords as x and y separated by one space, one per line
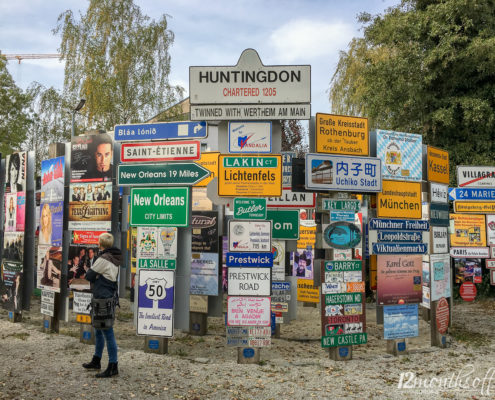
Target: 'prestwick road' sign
161 131
176 174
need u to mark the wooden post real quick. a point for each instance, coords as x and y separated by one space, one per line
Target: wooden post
87 334
156 345
341 353
198 323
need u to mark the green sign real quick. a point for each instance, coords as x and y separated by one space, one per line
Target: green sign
249 208
151 263
175 174
344 340
343 298
160 206
351 265
285 224
348 205
250 162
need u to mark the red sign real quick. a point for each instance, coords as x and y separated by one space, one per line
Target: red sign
468 291
86 237
178 150
443 314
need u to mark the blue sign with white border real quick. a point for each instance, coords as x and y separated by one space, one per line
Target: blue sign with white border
161 131
400 321
399 248
280 285
471 194
399 224
249 259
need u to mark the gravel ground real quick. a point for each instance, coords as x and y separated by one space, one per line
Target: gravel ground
48 366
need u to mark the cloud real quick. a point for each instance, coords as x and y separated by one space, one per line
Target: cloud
305 39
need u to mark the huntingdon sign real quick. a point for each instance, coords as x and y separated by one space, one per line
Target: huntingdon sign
250 90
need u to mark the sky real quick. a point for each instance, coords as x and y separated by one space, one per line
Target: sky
207 33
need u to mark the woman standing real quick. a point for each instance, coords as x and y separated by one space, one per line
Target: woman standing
103 277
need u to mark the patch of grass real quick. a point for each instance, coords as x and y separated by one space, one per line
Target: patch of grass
124 316
462 334
262 363
404 360
69 332
21 335
182 353
453 354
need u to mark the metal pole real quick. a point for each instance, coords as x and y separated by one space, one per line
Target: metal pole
73 130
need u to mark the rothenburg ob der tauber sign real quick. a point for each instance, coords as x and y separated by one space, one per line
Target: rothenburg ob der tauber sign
250 91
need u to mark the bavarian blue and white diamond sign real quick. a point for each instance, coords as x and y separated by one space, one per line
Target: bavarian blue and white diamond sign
401 153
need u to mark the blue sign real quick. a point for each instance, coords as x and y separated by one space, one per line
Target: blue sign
280 285
86 335
471 194
399 224
287 157
400 321
400 248
343 351
46 324
347 216
401 346
249 259
248 353
160 131
341 235
153 344
399 236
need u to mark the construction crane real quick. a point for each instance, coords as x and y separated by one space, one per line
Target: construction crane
20 57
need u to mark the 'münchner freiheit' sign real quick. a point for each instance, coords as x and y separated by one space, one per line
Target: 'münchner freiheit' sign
250 90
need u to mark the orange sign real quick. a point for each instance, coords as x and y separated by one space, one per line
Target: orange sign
399 200
438 165
338 134
83 318
210 162
355 287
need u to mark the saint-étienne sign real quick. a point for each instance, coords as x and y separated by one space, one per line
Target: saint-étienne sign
250 91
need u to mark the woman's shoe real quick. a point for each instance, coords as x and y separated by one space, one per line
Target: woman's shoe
95 363
111 370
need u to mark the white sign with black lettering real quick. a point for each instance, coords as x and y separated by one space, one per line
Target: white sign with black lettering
249 281
470 252
81 302
47 302
250 236
439 193
439 239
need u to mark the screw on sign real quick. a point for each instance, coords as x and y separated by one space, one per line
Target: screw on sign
443 315
468 291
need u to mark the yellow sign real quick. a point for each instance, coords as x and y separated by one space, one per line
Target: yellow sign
399 200
338 134
306 291
210 162
83 318
307 236
250 175
438 165
198 304
476 207
469 230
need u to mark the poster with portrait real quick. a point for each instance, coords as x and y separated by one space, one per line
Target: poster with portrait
83 252
302 263
467 270
90 206
49 268
204 226
399 279
91 158
15 172
11 283
10 212
51 224
20 217
204 274
13 246
52 180
153 242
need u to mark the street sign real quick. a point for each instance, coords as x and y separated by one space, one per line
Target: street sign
399 248
290 199
248 311
399 199
343 298
250 236
285 224
438 193
249 208
174 174
249 259
250 176
471 194
160 206
476 207
476 176
345 205
470 252
208 160
338 134
340 266
160 151
161 131
158 263
250 137
343 173
439 214
399 224
287 157
249 281
344 340
438 165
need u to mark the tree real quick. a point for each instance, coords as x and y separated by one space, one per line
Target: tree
118 60
14 118
426 66
293 134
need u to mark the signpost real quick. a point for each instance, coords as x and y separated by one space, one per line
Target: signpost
481 194
250 236
399 200
476 176
252 281
290 199
437 165
285 224
161 151
173 174
247 208
161 131
475 207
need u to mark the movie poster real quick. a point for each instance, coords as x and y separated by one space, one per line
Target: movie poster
83 252
90 206
15 171
13 246
91 158
49 268
21 212
204 226
10 212
468 270
302 263
399 279
204 274
52 180
51 224
11 285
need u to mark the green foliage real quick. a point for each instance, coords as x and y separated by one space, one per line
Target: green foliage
293 134
118 60
426 67
14 118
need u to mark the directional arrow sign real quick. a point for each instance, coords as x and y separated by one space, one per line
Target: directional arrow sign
176 174
160 131
471 194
